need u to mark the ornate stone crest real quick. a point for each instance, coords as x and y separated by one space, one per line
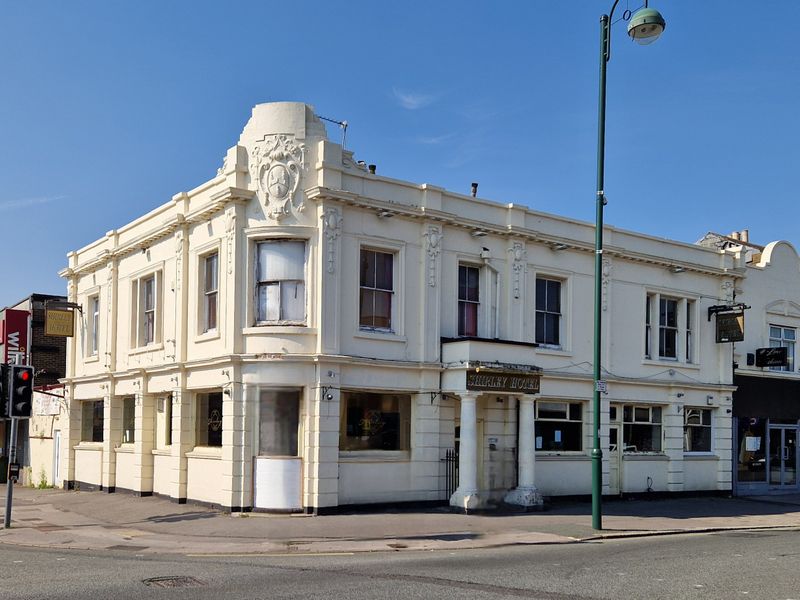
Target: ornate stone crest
519 257
332 227
275 164
433 238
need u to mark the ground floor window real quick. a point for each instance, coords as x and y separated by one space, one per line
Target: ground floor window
128 420
279 423
696 429
559 426
372 421
92 421
209 420
641 428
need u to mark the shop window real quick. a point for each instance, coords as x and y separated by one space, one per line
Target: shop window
783 337
641 428
92 421
210 291
752 450
164 422
128 420
279 423
548 312
468 300
208 431
696 429
376 281
375 421
559 426
281 288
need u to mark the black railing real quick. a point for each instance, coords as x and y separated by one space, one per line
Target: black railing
450 461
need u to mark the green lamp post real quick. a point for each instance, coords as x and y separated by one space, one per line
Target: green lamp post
644 27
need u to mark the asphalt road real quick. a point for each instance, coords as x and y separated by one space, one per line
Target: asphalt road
729 565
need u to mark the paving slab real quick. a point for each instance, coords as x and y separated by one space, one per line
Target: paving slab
125 523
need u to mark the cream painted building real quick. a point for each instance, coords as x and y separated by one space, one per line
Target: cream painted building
301 333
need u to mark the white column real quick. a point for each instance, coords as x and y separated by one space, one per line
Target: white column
466 496
525 494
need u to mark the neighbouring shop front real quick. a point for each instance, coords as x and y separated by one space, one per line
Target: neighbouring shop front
766 424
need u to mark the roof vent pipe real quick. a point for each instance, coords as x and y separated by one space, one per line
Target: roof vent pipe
744 235
474 190
372 169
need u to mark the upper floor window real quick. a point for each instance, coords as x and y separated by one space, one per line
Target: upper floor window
94 324
783 337
548 312
376 289
146 304
210 291
669 328
468 300
281 287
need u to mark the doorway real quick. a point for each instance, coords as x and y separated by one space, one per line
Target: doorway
782 457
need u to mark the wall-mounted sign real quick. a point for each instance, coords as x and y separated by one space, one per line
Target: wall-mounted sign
772 357
15 336
499 381
59 323
730 327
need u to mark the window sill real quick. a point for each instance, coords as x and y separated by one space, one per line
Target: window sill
700 456
124 449
672 362
634 456
92 358
374 456
207 336
161 452
386 336
266 329
547 455
277 457
205 452
143 349
89 446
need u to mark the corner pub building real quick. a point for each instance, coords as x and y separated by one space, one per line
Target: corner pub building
300 333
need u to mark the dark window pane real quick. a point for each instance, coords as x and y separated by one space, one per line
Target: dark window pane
541 294
384 271
368 268
467 319
382 317
375 422
367 308
559 436
215 419
554 296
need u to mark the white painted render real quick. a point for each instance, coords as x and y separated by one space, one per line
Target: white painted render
337 207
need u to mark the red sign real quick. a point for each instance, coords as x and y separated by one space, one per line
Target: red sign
15 336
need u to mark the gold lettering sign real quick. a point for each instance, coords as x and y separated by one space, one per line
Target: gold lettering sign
730 327
60 323
510 382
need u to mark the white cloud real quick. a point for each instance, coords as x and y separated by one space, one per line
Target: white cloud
436 139
28 202
412 100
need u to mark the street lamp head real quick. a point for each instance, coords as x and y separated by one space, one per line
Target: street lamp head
646 25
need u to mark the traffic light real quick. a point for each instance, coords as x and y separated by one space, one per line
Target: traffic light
3 391
20 391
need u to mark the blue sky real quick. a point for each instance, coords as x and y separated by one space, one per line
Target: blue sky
108 108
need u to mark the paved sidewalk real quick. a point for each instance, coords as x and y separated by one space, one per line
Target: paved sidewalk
100 521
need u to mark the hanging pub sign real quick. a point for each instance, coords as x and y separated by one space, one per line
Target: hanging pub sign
59 323
503 381
772 357
730 327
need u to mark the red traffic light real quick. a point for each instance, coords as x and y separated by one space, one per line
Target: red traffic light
24 375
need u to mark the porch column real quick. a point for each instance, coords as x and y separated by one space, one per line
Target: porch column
466 496
525 494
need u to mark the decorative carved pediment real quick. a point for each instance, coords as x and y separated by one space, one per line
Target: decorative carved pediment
276 163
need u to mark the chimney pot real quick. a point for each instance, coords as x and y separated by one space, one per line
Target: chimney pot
744 235
372 169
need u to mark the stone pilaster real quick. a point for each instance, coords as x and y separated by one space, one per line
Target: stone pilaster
321 471
144 442
112 438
